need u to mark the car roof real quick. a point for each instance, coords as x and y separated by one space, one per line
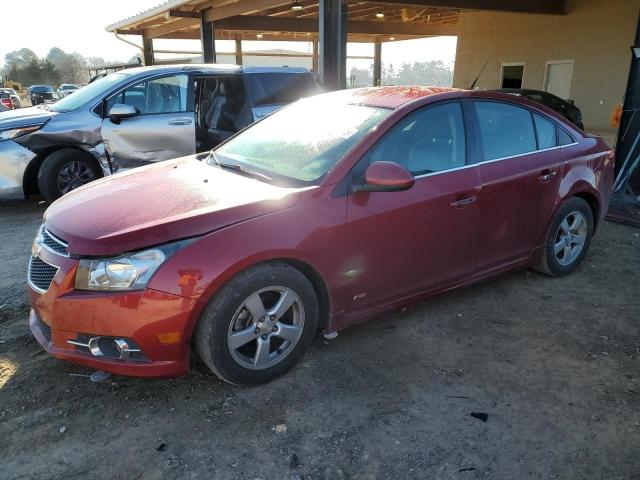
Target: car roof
392 97
397 97
212 68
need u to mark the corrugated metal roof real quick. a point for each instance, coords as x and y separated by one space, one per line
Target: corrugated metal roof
157 10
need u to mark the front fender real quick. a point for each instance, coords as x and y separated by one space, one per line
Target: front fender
312 234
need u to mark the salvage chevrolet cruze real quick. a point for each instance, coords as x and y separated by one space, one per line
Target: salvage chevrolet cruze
334 209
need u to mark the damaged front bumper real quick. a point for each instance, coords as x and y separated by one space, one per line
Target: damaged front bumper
14 159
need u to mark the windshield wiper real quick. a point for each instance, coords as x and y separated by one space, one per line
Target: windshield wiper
238 168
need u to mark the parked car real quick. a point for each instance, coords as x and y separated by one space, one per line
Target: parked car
5 102
134 117
41 94
566 108
336 208
15 99
66 89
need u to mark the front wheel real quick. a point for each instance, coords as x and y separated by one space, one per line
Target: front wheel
259 325
65 170
567 239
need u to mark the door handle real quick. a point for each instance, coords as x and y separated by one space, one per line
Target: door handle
180 121
547 175
463 202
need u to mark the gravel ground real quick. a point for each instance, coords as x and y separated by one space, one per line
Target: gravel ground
554 364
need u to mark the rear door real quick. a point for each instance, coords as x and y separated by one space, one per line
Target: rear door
519 173
164 127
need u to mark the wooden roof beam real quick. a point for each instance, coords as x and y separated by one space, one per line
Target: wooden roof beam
304 25
556 7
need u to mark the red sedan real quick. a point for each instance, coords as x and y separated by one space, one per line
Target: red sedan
334 209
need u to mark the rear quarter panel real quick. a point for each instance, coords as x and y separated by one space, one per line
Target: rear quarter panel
588 171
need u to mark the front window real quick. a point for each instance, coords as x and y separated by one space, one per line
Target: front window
302 141
82 96
159 95
428 140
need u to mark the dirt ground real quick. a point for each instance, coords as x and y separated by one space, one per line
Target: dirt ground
553 363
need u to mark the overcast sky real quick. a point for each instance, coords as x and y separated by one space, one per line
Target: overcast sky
78 26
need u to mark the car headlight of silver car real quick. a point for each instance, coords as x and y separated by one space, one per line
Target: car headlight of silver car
130 271
17 132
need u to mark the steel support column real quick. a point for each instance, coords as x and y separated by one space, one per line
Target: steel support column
207 38
333 43
238 51
377 63
147 51
314 55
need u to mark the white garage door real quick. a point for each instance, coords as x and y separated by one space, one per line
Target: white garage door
558 78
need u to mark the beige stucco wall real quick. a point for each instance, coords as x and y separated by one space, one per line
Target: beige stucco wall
595 34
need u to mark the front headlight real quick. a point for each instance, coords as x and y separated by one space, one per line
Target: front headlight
126 272
17 132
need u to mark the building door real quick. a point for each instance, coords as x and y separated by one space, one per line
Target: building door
511 75
558 77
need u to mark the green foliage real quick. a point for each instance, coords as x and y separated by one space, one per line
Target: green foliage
25 67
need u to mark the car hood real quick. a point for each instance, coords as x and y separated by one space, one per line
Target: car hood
159 203
24 116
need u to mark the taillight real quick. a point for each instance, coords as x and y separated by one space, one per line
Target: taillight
7 102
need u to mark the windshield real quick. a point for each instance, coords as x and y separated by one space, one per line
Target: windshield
69 87
302 141
78 98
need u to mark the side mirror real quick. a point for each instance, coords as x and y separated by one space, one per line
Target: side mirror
386 177
120 111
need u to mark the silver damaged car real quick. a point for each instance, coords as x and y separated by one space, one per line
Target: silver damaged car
134 117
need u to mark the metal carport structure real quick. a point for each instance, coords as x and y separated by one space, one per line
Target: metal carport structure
329 24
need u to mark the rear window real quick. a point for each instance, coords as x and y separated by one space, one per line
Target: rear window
564 138
41 89
546 132
505 130
280 88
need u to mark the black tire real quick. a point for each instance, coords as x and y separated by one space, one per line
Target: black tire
54 164
548 262
215 324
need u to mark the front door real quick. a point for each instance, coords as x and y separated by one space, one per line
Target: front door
407 242
520 174
163 127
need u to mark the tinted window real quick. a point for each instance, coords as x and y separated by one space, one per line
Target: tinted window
160 95
546 132
426 141
280 88
564 138
41 89
505 130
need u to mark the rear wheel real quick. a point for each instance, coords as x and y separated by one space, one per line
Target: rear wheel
66 170
259 325
568 238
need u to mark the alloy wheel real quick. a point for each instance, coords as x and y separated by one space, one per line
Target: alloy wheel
570 238
74 174
266 328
